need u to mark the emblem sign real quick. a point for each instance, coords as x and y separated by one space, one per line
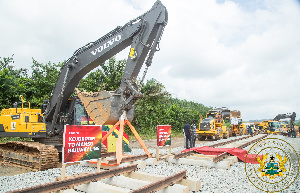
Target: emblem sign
278 165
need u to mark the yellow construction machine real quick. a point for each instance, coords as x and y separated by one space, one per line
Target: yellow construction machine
212 126
262 126
237 127
22 122
274 127
270 127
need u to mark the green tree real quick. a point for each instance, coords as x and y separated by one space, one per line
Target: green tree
157 107
107 77
40 84
10 82
151 109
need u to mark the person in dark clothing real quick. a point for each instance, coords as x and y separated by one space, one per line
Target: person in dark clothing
293 132
289 132
188 135
194 134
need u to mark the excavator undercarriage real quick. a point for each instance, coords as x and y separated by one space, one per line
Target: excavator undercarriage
33 155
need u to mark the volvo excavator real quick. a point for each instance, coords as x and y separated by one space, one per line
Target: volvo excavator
45 126
274 126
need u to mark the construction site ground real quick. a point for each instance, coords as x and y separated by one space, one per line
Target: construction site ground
6 170
199 167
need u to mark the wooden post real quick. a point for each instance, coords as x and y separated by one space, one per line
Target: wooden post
157 153
139 139
63 171
98 164
119 144
170 150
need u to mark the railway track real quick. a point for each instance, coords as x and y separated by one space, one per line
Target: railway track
126 173
225 154
69 183
75 182
218 160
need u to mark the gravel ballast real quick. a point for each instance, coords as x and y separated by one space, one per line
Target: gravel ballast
212 179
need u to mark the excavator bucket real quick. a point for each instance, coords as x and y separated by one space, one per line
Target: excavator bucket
103 107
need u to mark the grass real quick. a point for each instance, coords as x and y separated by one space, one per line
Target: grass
153 136
6 139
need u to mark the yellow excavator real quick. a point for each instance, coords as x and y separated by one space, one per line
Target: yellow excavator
45 126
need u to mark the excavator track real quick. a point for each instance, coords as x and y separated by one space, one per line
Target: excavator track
32 155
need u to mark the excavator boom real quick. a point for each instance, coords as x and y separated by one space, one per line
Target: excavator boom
143 34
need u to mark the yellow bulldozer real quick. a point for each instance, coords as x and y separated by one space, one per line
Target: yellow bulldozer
213 126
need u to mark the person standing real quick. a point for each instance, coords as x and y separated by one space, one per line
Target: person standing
184 138
188 134
294 132
289 132
250 130
194 135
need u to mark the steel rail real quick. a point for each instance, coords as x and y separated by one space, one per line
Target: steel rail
187 153
220 157
250 142
225 154
69 183
184 154
230 141
129 159
108 154
163 183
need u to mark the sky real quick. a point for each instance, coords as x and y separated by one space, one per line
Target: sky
239 54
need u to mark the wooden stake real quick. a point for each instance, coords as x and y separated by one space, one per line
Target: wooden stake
170 150
63 171
98 164
119 145
111 130
157 153
138 138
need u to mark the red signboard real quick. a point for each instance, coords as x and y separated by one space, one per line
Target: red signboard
163 135
82 142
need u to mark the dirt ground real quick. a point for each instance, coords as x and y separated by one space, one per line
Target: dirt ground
6 170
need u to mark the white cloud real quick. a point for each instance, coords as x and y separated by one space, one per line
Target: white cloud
240 54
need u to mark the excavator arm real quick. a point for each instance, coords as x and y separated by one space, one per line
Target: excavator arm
292 116
143 34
